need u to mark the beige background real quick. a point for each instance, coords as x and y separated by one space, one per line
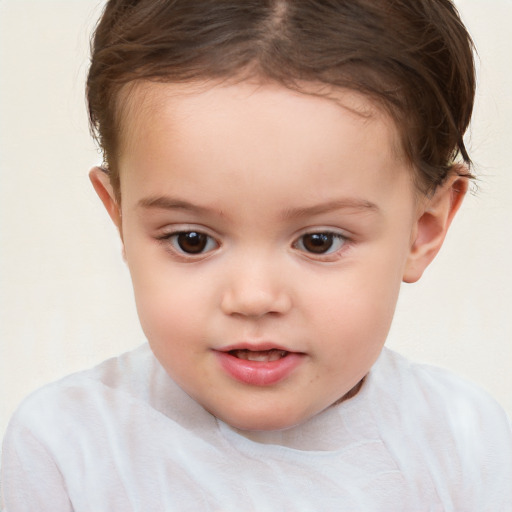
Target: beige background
65 295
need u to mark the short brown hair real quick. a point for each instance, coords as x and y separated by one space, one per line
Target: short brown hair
414 57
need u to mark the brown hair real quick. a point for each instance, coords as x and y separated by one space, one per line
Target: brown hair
414 57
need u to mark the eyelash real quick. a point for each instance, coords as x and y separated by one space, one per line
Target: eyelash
206 244
203 240
336 241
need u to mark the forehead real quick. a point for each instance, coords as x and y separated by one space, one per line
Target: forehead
264 143
144 105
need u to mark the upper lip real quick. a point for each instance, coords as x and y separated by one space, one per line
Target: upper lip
261 346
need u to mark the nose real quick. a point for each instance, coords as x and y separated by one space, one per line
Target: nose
255 289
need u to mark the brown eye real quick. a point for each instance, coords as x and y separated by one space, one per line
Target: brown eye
192 242
317 242
320 243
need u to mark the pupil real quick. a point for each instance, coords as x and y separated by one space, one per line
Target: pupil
192 242
318 242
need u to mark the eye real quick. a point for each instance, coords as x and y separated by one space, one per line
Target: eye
320 243
192 242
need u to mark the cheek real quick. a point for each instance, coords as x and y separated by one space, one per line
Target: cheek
168 304
356 305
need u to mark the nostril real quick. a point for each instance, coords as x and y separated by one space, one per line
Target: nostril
255 303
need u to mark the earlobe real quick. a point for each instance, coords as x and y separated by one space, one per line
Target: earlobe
432 225
101 182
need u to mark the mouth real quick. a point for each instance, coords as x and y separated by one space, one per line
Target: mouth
259 365
260 356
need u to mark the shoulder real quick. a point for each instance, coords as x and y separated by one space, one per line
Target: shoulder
84 434
447 428
428 388
98 388
67 427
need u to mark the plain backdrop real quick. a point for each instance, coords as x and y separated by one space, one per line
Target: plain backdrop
65 295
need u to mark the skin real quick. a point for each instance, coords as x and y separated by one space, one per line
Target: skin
258 168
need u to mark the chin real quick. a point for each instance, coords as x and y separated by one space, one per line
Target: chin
261 420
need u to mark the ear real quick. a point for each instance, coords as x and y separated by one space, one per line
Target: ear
101 182
432 225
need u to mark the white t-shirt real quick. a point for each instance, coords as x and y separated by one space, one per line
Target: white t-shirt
124 437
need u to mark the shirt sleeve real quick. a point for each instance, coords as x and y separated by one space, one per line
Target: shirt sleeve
31 481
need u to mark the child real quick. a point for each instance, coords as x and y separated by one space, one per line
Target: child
275 169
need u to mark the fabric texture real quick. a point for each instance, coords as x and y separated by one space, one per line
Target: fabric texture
124 437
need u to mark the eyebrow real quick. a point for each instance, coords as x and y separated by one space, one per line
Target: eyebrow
170 203
358 205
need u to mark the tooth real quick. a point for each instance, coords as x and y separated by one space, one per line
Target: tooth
262 356
240 354
274 355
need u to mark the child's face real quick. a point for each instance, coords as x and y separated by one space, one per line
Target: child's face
267 233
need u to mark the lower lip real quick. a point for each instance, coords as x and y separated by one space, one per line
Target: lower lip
257 373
